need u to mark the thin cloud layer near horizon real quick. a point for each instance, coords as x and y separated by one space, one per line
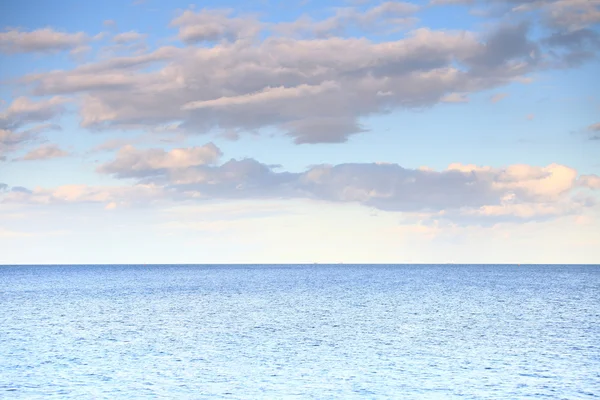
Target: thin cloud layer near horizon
341 131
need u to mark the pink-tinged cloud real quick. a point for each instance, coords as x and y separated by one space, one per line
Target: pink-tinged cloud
589 181
498 97
44 152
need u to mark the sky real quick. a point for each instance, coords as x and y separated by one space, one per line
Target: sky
432 131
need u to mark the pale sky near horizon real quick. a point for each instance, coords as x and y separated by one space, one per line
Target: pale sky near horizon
430 131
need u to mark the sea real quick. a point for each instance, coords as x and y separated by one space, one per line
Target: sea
300 332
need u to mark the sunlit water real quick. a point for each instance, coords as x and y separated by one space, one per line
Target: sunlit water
401 332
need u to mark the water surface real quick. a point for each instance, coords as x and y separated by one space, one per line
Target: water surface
346 331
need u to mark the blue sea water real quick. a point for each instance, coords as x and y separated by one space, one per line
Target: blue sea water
312 331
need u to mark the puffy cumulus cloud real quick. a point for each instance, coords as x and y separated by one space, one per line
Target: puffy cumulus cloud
464 193
214 25
528 181
132 162
44 152
42 41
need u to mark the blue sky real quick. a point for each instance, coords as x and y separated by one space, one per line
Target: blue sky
303 131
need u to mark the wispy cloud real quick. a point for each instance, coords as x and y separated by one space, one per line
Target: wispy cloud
44 152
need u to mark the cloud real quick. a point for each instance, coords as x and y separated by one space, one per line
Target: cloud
460 194
44 40
593 131
112 144
573 38
10 234
498 97
84 194
78 53
266 95
322 129
463 193
44 152
132 162
569 14
213 25
128 37
589 181
450 2
573 47
289 84
390 14
561 15
23 111
455 98
235 77
11 141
